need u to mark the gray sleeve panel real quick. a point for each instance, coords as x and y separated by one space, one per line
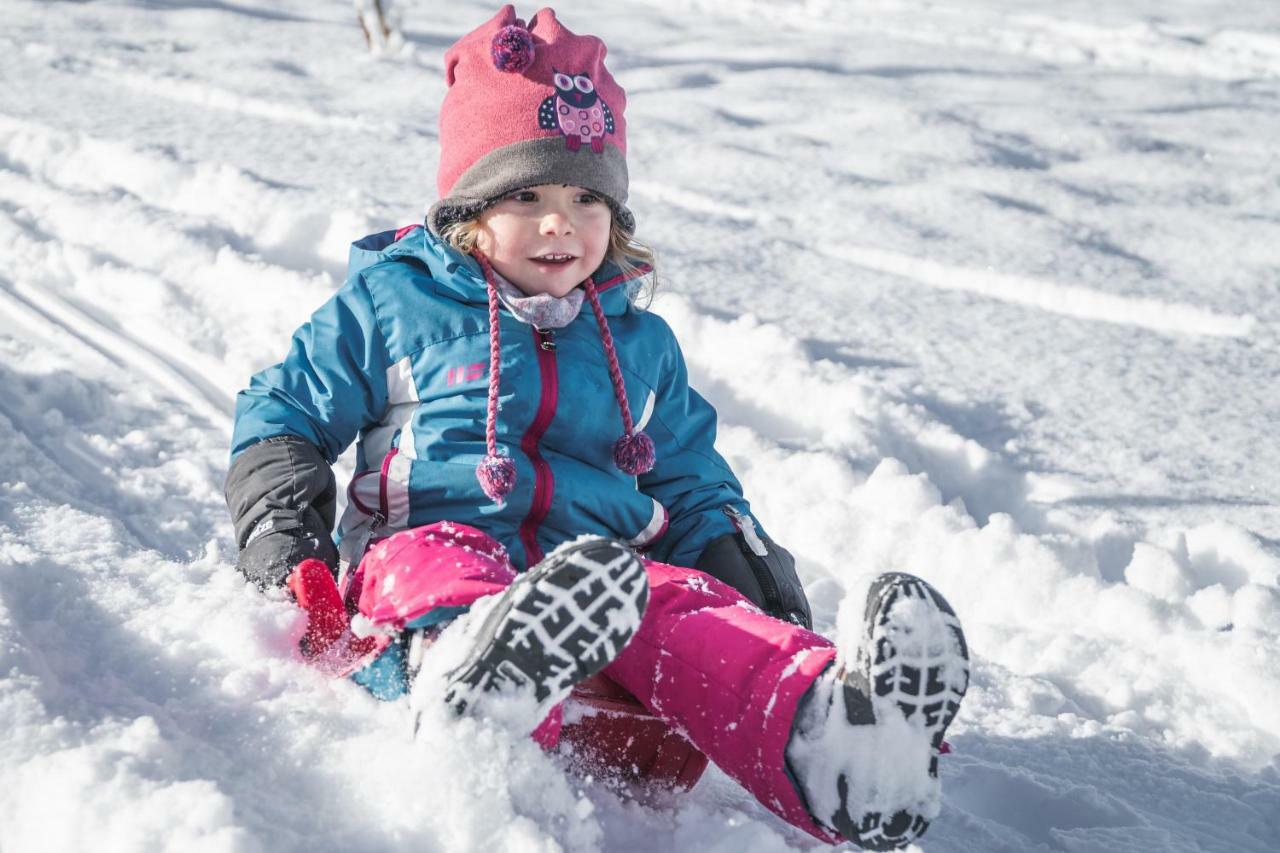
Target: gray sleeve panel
282 473
770 580
282 497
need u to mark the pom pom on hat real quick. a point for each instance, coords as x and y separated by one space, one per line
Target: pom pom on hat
512 49
497 476
635 454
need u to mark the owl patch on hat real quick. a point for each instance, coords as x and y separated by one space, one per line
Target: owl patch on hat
577 111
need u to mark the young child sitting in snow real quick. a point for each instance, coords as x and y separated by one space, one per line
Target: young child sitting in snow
527 436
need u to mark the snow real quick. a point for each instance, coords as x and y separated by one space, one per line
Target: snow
983 290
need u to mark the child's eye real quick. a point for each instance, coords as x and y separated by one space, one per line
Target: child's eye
588 198
524 196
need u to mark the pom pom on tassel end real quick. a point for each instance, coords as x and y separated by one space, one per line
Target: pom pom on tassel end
634 454
497 476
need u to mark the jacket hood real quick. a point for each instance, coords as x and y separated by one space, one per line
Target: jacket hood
460 276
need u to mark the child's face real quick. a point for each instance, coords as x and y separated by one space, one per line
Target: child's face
546 239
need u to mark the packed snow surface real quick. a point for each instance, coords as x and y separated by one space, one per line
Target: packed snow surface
984 290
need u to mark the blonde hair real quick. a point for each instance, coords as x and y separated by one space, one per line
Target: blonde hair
625 252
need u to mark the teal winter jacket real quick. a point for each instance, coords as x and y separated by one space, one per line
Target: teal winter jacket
397 361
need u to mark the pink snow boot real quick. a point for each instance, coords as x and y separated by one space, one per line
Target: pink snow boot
867 738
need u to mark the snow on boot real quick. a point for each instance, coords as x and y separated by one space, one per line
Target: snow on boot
562 621
866 744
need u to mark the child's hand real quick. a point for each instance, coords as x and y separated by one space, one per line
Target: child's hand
315 591
328 642
760 569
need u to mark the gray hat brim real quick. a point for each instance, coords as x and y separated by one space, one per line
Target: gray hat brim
530 163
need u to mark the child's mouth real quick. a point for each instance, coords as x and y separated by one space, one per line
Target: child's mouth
554 259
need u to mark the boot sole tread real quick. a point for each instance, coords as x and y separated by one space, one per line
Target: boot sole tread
577 610
925 678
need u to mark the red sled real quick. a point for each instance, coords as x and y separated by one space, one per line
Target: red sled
606 733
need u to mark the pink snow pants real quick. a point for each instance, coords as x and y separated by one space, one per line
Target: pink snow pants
705 659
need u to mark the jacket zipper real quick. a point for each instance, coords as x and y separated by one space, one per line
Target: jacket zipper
543 482
754 549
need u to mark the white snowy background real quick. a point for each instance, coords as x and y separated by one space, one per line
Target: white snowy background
984 290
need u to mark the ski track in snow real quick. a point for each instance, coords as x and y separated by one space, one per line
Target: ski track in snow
1065 299
1125 679
202 95
1149 46
1068 300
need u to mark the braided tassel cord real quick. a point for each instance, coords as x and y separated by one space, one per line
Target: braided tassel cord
497 474
634 452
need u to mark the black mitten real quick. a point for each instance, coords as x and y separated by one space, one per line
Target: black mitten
760 569
281 495
281 540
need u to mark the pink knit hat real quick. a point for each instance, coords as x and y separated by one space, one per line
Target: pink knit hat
528 105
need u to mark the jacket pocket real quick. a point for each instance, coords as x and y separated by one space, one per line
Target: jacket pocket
382 497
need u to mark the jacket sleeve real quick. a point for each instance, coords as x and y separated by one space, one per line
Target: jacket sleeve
291 423
332 383
689 478
710 526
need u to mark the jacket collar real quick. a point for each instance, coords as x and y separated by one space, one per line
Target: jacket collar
459 276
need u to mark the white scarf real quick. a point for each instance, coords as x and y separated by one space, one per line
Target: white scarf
542 311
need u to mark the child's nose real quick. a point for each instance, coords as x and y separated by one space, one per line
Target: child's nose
556 223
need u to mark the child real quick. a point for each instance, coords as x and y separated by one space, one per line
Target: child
488 366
